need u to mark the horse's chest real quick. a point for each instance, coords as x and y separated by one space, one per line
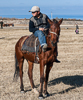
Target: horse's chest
51 58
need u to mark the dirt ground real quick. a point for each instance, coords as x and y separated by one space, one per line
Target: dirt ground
65 79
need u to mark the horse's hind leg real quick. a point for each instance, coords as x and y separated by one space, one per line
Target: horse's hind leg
30 74
48 68
19 66
21 74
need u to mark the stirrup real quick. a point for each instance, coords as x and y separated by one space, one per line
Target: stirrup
36 57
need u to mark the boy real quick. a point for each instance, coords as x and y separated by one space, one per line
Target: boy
38 23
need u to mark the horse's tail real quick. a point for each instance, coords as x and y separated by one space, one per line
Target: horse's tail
16 74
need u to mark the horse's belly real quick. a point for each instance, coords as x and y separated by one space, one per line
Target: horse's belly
29 57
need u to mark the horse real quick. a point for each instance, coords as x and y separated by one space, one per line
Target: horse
8 25
11 24
45 58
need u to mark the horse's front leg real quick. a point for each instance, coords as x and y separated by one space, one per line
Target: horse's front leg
41 79
48 68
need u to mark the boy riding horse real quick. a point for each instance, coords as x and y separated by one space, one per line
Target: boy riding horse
39 25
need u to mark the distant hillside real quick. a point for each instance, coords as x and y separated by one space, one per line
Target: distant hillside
26 21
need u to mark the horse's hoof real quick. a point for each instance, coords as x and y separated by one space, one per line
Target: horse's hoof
21 91
41 97
35 91
46 95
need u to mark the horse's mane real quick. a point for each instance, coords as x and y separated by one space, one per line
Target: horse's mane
54 20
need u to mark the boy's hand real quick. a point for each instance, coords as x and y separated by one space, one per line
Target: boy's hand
41 29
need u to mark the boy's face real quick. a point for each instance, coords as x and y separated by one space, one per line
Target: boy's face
35 14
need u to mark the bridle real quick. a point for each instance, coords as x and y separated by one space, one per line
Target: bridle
53 44
53 33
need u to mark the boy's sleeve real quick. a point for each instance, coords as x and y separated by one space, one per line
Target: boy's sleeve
31 27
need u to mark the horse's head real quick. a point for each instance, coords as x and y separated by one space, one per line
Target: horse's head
54 31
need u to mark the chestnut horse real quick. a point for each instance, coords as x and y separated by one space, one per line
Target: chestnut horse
45 58
8 25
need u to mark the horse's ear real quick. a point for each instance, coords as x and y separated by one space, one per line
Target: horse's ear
60 21
50 22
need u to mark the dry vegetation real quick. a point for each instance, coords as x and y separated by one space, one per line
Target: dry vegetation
66 78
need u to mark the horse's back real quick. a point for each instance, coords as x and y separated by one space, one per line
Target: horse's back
21 41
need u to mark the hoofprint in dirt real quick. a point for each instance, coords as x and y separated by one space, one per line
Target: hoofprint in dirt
65 79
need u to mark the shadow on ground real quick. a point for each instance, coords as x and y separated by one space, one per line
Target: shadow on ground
2 38
74 81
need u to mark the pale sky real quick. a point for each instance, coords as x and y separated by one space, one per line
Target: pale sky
61 7
8 3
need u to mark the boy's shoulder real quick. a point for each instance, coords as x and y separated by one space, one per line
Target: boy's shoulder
32 18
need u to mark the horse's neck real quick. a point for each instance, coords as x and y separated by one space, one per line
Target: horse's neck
48 38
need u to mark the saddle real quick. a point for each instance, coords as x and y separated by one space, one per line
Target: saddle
31 44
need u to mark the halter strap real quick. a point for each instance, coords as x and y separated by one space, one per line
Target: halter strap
54 33
51 31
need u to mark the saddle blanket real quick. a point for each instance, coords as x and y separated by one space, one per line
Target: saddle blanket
31 44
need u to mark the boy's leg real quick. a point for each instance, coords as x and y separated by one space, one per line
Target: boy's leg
42 39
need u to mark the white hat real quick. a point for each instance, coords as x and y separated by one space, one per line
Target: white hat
34 9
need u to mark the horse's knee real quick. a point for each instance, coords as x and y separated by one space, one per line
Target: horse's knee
29 74
41 79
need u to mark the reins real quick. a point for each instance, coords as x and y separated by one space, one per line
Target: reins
51 31
54 44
